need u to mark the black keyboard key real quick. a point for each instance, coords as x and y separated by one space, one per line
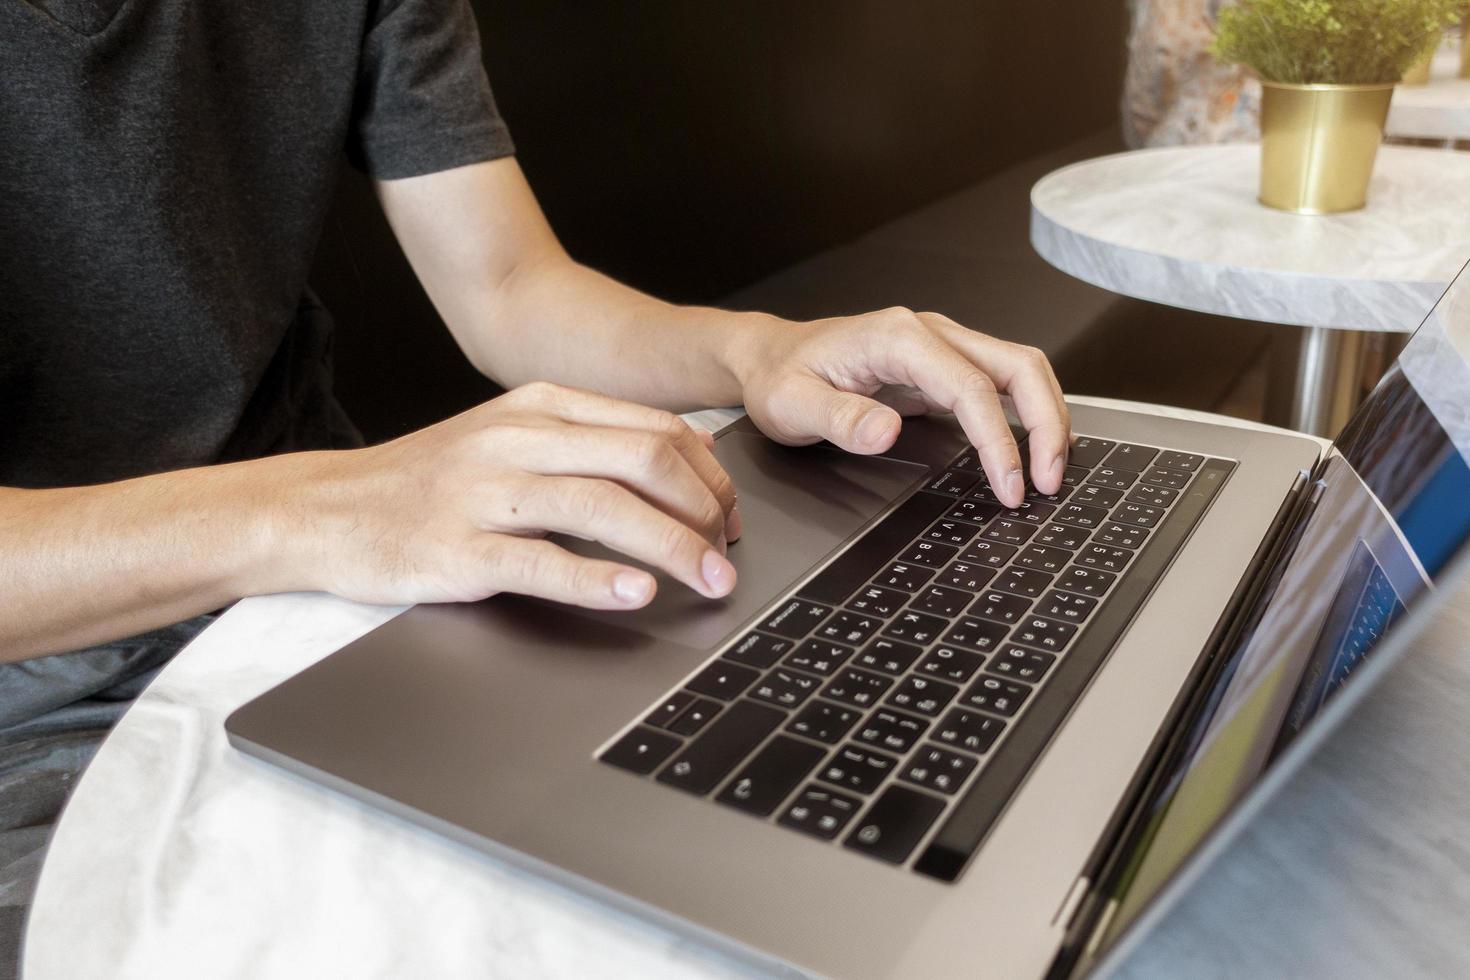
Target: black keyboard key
1036 496
854 567
727 741
1073 476
760 650
991 554
1152 496
1065 606
1088 451
877 600
1139 515
957 533
859 688
1023 581
892 730
857 768
1101 556
1168 479
1130 457
1085 581
1095 496
939 600
894 824
1044 634
969 461
669 709
1108 476
985 494
927 697
820 811
824 722
996 695
818 656
1029 512
770 777
966 575
1043 559
1061 536
850 628
930 553
974 511
1007 531
915 627
1188 462
641 750
1000 607
723 680
977 634
795 618
952 664
953 483
937 769
691 720
889 656
1120 535
1021 663
785 688
969 730
1080 515
901 575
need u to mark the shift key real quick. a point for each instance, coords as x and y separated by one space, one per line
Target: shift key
722 746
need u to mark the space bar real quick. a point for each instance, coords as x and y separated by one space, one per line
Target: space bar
982 804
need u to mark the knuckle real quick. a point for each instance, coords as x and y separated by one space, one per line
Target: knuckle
650 453
518 564
585 578
1034 357
977 384
680 543
669 425
711 517
588 502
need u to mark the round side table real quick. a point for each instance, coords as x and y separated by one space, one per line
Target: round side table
1182 226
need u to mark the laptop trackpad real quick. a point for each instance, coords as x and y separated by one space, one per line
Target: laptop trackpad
796 505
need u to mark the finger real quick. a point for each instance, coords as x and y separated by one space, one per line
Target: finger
588 408
601 510
1025 374
927 362
809 408
638 459
534 567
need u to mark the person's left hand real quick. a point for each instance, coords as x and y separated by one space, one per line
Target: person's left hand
850 379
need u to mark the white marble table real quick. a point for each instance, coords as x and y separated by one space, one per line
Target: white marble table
1439 110
1182 226
178 857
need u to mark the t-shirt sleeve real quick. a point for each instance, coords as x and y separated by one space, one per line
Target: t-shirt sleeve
423 103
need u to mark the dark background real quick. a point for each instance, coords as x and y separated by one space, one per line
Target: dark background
692 149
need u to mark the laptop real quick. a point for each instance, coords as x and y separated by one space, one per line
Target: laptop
927 735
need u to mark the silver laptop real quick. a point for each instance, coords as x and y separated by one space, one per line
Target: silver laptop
927 736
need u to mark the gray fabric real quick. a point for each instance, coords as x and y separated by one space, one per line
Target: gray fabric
54 713
166 168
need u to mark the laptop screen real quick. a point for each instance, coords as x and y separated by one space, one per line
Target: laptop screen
1391 509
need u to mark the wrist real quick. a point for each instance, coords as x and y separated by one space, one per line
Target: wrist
288 520
750 344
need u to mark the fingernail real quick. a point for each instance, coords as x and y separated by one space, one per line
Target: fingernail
632 587
718 573
733 525
1015 484
873 427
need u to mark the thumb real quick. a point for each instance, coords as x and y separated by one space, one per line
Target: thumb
853 422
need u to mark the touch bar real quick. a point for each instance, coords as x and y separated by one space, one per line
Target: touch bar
972 817
865 558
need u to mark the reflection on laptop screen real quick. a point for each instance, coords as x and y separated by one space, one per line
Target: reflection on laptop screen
1392 510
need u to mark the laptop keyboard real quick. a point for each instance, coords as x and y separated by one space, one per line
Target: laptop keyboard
897 700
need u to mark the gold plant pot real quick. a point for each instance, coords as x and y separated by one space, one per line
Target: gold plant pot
1318 143
1464 53
1418 73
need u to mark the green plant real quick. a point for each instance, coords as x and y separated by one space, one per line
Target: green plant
1341 42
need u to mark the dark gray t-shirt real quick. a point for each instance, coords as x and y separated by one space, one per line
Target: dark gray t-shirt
165 166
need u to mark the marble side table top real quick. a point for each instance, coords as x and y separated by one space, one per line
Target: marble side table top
1182 226
1439 110
178 857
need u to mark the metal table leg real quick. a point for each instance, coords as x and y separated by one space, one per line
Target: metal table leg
1327 380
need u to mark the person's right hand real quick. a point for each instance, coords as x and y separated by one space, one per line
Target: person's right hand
456 512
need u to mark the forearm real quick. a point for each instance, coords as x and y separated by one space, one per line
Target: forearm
561 321
84 565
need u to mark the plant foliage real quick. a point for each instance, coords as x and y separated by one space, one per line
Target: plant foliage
1343 42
